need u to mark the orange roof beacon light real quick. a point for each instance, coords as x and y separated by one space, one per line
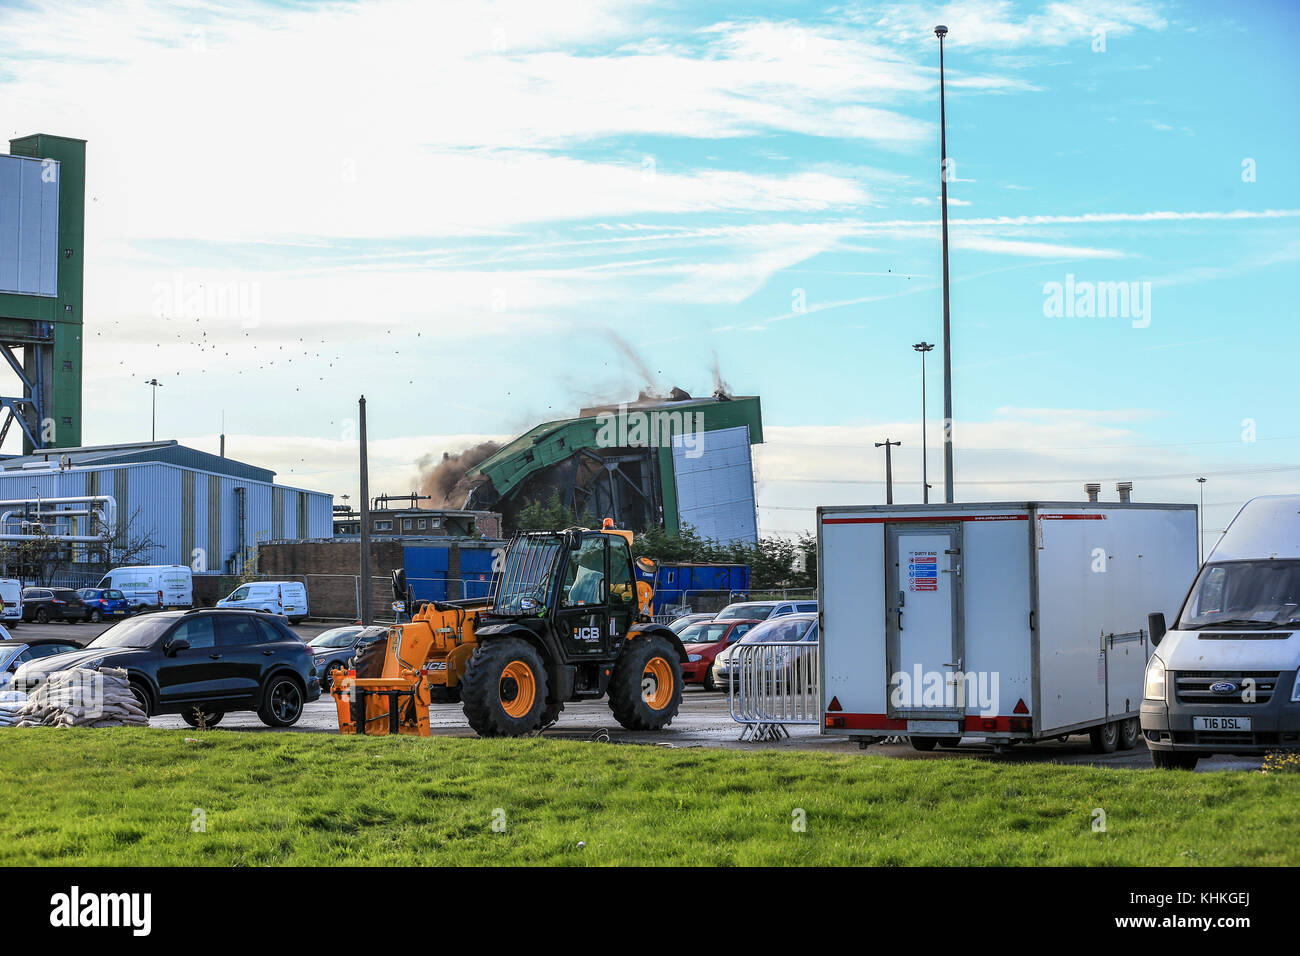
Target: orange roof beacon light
608 523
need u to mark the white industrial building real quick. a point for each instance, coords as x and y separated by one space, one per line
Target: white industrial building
201 510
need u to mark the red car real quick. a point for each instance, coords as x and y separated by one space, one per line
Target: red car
704 641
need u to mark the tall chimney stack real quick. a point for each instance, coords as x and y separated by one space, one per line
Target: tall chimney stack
1093 490
1125 489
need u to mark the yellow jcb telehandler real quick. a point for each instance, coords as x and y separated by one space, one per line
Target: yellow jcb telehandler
568 619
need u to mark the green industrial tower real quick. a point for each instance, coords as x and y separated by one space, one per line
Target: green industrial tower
42 229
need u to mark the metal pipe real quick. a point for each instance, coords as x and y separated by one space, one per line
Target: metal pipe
108 517
941 32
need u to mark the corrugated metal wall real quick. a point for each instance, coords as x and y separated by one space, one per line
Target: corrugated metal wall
187 511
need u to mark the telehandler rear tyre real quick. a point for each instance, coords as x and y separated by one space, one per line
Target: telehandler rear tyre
504 688
645 689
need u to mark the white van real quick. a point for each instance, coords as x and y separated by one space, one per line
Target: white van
153 585
278 597
11 593
1223 677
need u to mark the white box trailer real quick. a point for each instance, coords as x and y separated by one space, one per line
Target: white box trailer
1008 621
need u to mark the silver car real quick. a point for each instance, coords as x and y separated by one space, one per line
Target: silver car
337 646
788 628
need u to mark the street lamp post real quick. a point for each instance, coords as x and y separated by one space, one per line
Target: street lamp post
153 422
1200 523
924 347
365 595
889 468
941 32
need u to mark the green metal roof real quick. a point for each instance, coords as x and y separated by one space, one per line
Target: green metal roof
552 442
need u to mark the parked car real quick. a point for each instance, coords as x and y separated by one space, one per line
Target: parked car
153 586
686 620
105 603
11 594
335 647
43 605
13 654
202 662
762 610
789 628
703 641
276 597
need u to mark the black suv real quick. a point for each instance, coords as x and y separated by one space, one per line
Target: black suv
200 664
54 604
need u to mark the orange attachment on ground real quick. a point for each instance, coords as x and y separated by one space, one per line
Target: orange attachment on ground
424 657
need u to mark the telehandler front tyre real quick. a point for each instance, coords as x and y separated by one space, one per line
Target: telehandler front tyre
504 688
645 689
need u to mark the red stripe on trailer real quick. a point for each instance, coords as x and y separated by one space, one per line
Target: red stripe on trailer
975 724
941 518
1093 517
865 722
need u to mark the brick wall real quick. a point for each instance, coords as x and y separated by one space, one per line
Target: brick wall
330 570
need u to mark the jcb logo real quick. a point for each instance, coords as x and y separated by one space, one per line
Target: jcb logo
587 633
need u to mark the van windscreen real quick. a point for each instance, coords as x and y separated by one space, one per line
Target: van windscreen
1262 593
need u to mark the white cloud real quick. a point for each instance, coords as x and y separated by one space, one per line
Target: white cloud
998 24
1039 250
330 464
246 122
1019 455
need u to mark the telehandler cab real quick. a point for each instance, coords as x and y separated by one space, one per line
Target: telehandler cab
568 620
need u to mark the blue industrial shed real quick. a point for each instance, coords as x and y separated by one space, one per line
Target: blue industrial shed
674 583
438 571
202 510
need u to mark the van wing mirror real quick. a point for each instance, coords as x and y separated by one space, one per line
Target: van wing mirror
176 645
1156 622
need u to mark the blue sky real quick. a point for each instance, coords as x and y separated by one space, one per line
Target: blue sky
483 215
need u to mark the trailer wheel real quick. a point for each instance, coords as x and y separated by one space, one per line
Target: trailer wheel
1105 739
1129 732
645 689
1173 760
923 744
504 688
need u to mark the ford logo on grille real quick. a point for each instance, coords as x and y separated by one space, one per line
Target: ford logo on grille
1223 687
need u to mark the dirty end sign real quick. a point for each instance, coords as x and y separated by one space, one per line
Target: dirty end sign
923 570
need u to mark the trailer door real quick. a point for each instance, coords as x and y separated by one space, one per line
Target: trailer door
923 619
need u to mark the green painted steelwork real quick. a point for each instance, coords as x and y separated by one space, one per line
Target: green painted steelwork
551 443
22 316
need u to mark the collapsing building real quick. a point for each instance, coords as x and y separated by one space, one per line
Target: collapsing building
655 462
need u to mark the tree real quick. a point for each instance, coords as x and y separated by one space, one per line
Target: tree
43 556
554 515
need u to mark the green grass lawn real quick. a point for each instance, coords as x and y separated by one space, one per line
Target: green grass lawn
129 796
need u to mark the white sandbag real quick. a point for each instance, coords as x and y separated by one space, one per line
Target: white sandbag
79 697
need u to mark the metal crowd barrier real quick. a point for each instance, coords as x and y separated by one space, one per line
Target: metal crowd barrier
772 686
